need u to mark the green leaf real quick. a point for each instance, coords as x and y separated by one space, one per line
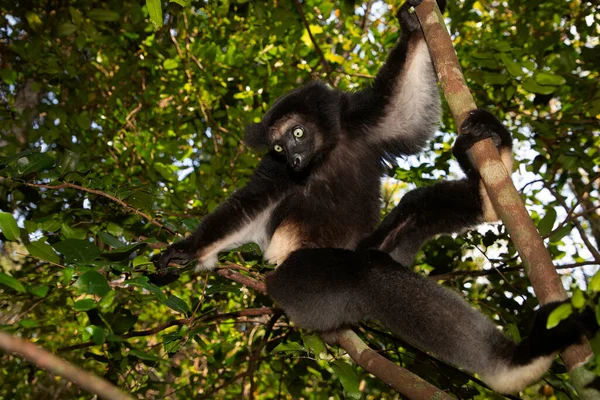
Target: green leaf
98 335
11 282
77 251
85 305
34 162
545 225
560 233
8 226
29 323
595 283
100 14
288 347
578 300
560 313
545 78
93 282
532 86
170 63
9 76
111 240
68 162
177 304
172 342
142 281
40 291
349 378
65 29
182 3
155 12
314 343
34 21
511 66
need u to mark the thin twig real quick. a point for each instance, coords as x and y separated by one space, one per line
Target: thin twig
100 193
454 274
324 62
250 312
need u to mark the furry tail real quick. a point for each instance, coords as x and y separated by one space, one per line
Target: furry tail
325 289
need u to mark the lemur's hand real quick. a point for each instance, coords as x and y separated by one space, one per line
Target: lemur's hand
479 125
178 253
408 20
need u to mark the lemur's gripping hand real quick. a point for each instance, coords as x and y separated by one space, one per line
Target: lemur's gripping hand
408 20
179 253
480 125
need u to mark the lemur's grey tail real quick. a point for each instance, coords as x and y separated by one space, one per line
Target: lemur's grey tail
437 320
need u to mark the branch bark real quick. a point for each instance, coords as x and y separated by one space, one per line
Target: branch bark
60 367
505 198
404 381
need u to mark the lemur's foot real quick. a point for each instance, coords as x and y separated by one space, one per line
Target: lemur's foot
480 125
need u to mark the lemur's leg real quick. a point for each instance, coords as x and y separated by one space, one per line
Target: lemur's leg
326 289
445 207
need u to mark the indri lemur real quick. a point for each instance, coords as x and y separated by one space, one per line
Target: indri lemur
326 289
319 184
319 187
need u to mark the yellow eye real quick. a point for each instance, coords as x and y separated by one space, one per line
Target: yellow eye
298 132
278 148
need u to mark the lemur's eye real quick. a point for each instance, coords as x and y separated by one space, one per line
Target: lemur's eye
278 148
298 132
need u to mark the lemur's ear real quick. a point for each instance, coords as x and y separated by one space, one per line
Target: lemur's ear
256 136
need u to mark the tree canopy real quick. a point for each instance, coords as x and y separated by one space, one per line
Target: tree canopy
122 126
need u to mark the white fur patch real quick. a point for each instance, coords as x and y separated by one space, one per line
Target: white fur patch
412 97
285 240
255 230
511 379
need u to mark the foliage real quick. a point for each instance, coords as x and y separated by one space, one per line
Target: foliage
122 125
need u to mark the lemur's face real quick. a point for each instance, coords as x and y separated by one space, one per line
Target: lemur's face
296 139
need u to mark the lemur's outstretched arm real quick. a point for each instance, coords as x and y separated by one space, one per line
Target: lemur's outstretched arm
241 219
445 207
326 289
401 109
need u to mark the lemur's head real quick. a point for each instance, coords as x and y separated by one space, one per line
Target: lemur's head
301 126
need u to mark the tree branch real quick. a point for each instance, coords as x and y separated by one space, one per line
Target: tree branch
505 198
100 193
324 62
399 378
453 274
60 367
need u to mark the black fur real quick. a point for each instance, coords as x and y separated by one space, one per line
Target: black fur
332 197
326 289
445 207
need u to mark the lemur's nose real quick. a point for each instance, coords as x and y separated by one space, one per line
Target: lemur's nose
296 161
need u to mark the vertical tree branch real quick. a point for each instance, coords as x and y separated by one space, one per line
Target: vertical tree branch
60 367
504 196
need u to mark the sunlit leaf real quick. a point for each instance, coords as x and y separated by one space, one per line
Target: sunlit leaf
93 282
11 282
155 12
349 378
561 313
8 226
